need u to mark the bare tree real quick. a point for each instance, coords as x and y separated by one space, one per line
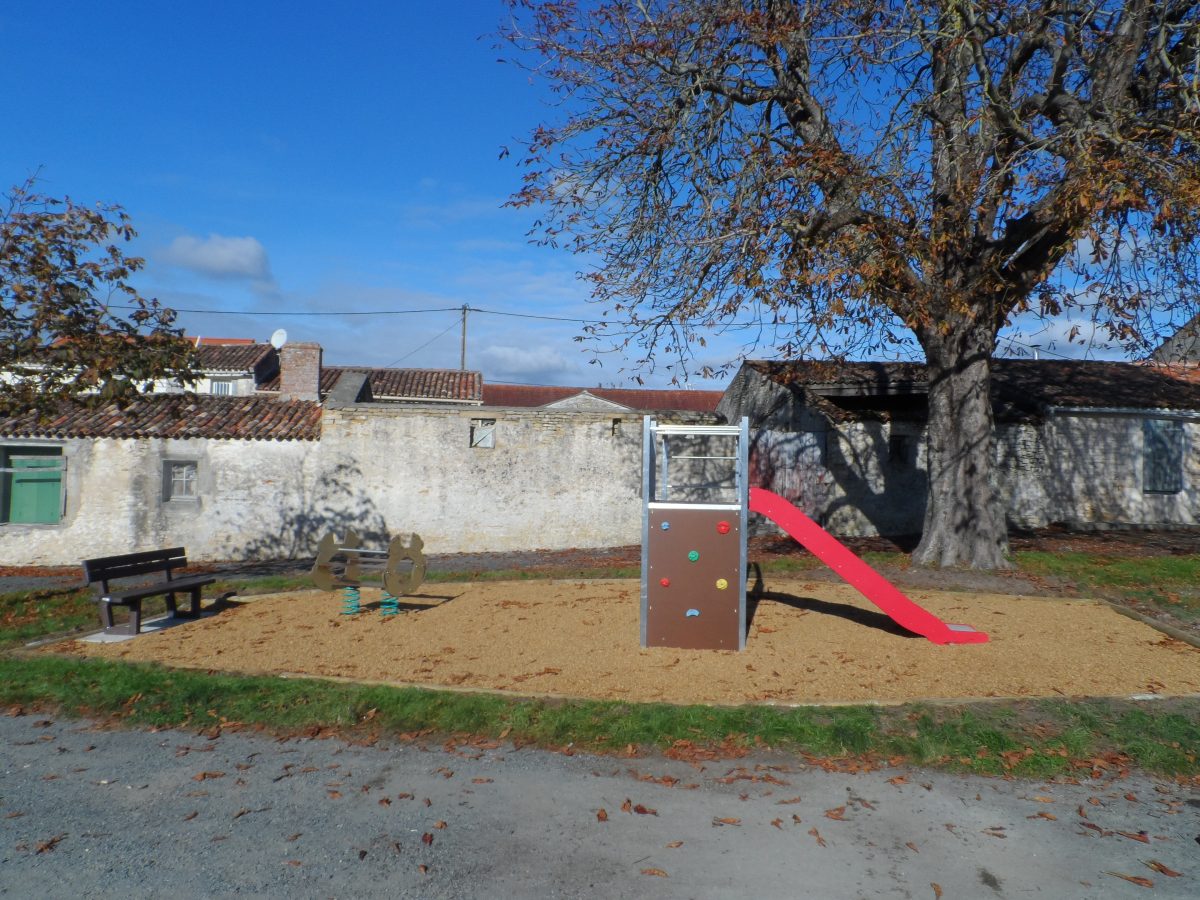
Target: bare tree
854 176
66 331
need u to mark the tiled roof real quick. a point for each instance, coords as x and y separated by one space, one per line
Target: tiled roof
429 385
532 395
177 416
1020 387
231 357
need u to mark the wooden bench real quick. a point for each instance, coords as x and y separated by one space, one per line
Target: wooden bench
101 572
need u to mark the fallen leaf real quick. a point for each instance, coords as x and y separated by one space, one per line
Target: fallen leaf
778 823
1042 799
911 846
440 826
422 869
602 815
191 815
404 796
728 821
47 845
937 890
898 780
427 802
362 854
645 810
627 806
1131 797
204 776
796 818
1050 817
817 835
674 845
838 813
427 838
786 802
294 862
334 795
657 873
1139 836
1161 869
481 781
385 801
1133 879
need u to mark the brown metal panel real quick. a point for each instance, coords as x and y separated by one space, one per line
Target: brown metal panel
690 610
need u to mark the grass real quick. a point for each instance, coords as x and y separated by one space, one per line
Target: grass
1039 740
1034 739
1168 583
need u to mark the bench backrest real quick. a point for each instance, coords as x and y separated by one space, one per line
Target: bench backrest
104 569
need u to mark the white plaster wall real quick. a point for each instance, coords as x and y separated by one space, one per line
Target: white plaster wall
553 480
1094 474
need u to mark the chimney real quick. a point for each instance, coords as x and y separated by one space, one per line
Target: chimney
300 371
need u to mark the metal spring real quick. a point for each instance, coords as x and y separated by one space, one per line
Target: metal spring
350 601
389 605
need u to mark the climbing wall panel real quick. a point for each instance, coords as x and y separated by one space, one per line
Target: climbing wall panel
694 595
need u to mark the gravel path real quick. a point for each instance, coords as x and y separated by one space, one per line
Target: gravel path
87 811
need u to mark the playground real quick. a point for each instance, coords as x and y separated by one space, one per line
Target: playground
808 642
690 631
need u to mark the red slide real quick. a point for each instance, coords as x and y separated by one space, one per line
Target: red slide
858 574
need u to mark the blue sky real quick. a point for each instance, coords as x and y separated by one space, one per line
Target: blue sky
305 157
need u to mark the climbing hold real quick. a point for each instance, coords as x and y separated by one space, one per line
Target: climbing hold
666 526
722 528
692 613
722 584
666 582
694 555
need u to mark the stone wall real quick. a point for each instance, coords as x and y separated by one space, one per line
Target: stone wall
551 480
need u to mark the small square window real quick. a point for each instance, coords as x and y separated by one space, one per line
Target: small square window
221 386
179 480
483 433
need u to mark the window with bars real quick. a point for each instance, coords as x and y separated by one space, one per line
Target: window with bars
179 480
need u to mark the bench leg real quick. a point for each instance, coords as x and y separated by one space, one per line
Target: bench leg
193 610
106 618
172 606
135 616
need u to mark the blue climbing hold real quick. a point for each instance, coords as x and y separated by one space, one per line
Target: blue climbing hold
666 526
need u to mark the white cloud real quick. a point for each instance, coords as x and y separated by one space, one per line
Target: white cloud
218 256
535 365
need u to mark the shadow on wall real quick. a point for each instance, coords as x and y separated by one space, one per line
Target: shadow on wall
843 481
337 502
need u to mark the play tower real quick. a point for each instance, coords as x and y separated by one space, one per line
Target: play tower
694 492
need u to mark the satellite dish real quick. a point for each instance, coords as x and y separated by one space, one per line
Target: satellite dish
279 338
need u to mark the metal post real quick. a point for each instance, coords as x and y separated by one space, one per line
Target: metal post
462 359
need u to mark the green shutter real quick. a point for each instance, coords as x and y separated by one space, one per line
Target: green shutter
35 489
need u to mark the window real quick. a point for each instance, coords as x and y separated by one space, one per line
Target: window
483 433
221 386
179 480
31 485
1162 456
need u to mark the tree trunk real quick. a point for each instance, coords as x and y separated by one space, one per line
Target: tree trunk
964 517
